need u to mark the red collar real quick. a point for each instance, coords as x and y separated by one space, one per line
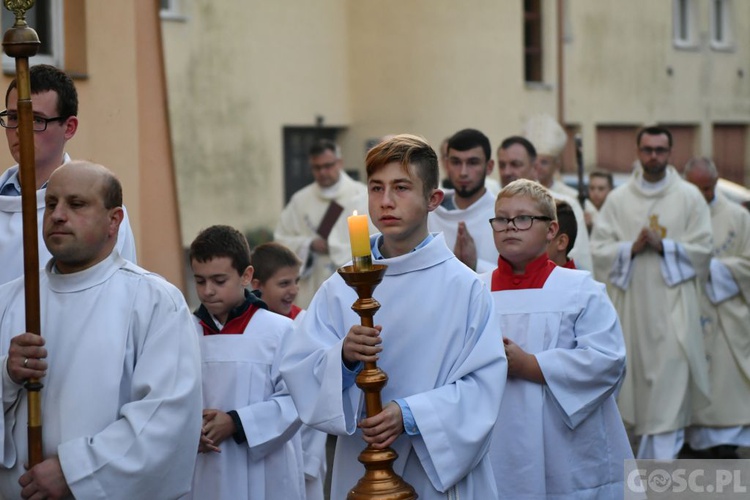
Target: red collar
570 264
536 274
234 326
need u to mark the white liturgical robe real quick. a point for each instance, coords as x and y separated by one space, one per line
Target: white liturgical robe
657 297
121 403
240 372
11 233
442 352
727 318
299 222
476 217
564 438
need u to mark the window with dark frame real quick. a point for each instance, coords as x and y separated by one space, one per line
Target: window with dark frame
532 40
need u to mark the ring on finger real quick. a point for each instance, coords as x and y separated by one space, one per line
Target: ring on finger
25 362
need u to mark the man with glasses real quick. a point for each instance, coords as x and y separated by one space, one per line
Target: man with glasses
313 224
652 245
54 101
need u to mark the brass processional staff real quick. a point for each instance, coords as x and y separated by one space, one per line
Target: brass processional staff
21 42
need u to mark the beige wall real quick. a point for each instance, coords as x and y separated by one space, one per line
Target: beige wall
122 112
238 74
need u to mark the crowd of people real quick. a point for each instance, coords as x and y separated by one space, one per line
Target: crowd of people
532 344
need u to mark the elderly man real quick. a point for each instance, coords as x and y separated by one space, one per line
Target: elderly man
121 404
725 424
652 244
313 224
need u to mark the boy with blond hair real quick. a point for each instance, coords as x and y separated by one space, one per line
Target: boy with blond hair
249 444
559 433
446 368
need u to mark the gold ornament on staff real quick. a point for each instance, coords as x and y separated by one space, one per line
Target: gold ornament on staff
380 481
21 42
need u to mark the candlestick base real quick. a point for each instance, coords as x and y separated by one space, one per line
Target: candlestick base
380 481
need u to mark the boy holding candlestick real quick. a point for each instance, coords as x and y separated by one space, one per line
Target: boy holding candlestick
436 338
249 445
559 433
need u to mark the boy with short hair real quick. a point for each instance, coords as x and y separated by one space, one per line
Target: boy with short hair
276 272
249 444
440 345
561 245
559 433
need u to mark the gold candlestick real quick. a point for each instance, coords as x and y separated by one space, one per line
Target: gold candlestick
379 481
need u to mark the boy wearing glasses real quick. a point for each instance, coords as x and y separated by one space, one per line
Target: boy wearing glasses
559 433
54 100
440 345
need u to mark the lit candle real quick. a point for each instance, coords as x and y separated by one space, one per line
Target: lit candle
359 237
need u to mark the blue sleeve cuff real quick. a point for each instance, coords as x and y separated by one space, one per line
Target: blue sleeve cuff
410 426
349 377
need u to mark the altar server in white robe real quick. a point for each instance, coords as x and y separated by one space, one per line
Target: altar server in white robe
652 245
725 424
559 434
440 346
121 403
55 102
321 207
462 216
517 159
250 447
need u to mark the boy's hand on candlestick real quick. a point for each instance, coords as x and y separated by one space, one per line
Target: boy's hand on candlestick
382 430
361 343
217 426
521 364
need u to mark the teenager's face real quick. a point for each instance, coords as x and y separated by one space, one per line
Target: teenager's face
49 145
598 190
280 290
220 287
398 206
467 170
521 247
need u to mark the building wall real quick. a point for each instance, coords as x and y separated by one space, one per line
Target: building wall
240 71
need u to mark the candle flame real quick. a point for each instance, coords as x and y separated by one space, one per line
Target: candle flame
354 213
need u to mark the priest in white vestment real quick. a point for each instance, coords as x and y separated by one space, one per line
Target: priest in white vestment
725 424
462 216
121 403
321 206
651 245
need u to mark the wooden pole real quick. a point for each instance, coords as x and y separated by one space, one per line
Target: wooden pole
21 42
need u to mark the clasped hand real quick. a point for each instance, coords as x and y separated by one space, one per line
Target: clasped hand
26 357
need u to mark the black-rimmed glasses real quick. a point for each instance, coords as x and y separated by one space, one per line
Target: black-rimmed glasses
520 222
10 120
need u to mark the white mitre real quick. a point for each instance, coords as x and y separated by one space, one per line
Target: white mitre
547 136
